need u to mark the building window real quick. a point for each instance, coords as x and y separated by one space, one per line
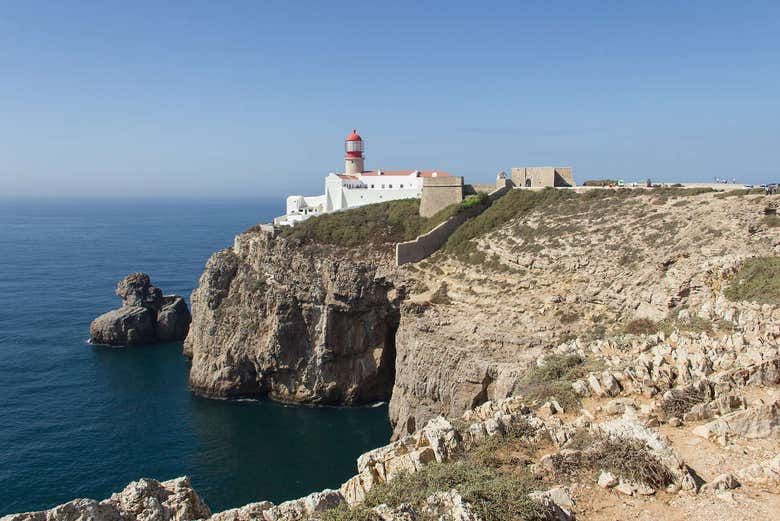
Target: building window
372 186
389 186
383 186
402 186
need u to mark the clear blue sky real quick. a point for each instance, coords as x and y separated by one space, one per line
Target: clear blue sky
254 98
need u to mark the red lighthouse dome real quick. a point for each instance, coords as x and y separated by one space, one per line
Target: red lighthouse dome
353 145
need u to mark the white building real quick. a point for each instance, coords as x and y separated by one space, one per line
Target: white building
356 186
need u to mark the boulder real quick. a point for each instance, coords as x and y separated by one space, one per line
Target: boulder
146 316
128 325
758 422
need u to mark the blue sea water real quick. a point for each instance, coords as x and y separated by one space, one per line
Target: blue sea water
82 421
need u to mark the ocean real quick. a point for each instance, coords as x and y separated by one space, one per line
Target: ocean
78 420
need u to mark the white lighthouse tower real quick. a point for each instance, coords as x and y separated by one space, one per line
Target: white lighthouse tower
353 158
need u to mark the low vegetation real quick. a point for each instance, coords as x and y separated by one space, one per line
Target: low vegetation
641 326
600 182
513 204
561 209
493 495
378 224
626 458
553 379
679 401
758 280
740 192
691 324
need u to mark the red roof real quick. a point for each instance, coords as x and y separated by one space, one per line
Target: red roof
354 136
421 173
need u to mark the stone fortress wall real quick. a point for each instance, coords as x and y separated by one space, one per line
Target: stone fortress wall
542 176
440 192
426 244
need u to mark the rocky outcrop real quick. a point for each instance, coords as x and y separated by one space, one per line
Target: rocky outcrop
310 324
146 316
145 499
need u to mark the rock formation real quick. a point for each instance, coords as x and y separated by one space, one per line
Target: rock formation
145 499
146 316
299 324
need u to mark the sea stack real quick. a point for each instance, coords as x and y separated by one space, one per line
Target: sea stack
146 315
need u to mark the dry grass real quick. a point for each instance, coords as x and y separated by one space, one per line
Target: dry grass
680 401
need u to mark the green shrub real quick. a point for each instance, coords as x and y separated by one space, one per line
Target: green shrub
758 280
492 495
373 224
481 199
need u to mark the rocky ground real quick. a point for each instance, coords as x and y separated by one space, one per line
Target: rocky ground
611 355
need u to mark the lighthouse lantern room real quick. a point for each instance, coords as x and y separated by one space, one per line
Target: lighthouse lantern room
353 159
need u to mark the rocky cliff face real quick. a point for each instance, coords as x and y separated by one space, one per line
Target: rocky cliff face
320 324
294 323
581 266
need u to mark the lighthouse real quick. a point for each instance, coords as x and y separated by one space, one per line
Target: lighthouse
357 186
353 154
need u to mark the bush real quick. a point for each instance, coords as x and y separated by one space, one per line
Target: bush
758 280
627 458
641 326
631 460
554 379
492 495
680 401
600 182
373 224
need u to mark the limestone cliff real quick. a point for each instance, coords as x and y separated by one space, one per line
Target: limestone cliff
311 324
320 324
554 265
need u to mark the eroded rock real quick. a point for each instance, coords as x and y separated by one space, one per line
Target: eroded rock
146 316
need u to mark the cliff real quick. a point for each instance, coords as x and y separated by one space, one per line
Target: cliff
299 323
299 320
539 268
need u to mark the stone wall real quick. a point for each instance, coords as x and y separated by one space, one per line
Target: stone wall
440 192
427 243
542 176
482 187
